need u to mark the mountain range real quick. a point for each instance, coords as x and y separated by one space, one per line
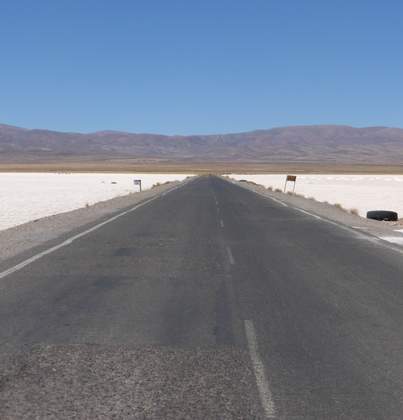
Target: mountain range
301 144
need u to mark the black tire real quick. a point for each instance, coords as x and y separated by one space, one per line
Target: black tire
384 215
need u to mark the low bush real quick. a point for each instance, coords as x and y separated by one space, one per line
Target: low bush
339 206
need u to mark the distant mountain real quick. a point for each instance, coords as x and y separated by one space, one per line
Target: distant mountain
300 144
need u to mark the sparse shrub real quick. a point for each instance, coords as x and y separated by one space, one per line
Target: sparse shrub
339 206
354 212
87 205
270 188
312 198
290 193
157 184
278 190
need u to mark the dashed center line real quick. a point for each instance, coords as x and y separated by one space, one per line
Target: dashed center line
260 374
230 256
221 223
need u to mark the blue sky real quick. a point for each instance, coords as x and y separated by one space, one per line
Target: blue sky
188 66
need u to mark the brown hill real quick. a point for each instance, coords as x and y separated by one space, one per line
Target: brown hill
300 144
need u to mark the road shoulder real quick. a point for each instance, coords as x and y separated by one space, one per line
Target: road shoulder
22 238
389 232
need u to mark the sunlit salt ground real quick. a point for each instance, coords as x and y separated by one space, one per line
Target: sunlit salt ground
361 192
29 196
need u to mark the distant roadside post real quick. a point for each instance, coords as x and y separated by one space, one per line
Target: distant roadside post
137 182
290 178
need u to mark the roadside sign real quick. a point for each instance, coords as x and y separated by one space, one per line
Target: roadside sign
290 178
137 182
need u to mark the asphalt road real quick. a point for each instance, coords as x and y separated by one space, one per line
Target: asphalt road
209 302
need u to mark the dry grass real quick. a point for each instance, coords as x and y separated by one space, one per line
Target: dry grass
339 206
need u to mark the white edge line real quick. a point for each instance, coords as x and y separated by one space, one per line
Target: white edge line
277 201
392 239
370 238
70 240
308 213
230 256
258 368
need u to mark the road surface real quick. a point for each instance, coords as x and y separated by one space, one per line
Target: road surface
207 302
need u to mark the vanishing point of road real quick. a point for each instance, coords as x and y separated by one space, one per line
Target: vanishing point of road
208 302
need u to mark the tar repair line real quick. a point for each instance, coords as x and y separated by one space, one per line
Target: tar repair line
258 368
230 256
69 241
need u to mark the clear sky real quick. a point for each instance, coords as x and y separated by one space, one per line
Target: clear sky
200 66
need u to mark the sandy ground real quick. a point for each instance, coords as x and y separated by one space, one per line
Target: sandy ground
360 192
31 196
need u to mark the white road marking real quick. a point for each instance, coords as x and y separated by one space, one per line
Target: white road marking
277 201
350 229
69 241
393 239
360 227
221 223
308 213
260 374
230 256
398 230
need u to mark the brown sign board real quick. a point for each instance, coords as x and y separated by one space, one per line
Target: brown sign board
292 178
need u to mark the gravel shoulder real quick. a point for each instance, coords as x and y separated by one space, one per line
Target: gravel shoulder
22 238
389 231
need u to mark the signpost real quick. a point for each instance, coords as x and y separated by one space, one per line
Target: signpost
290 178
137 182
